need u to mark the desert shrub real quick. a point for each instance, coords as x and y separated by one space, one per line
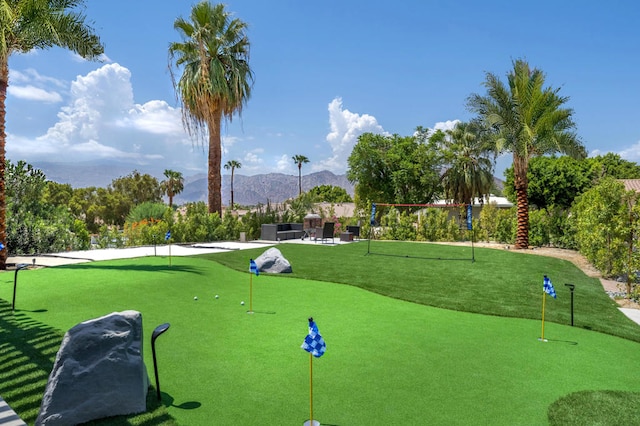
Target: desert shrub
110 237
436 225
196 224
147 210
506 226
538 228
145 232
398 225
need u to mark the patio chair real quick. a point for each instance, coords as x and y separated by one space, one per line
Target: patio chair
325 232
355 230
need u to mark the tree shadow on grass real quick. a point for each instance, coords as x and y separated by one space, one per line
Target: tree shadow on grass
135 267
27 351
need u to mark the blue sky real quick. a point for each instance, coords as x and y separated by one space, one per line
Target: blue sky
325 72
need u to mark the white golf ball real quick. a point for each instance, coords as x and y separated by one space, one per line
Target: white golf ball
195 297
217 296
242 303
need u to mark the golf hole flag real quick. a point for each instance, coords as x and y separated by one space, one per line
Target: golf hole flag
548 287
314 343
253 268
167 235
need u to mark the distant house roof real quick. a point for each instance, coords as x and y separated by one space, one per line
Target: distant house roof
631 184
501 202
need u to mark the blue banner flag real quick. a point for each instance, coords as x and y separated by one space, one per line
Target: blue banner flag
167 235
469 217
1 246
314 343
372 221
253 268
548 287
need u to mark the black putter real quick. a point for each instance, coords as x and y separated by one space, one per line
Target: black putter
571 287
157 332
19 267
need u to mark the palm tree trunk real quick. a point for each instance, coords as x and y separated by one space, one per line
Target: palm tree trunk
214 176
232 169
522 200
521 186
299 178
4 83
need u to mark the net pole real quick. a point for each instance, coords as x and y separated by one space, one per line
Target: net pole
473 253
372 221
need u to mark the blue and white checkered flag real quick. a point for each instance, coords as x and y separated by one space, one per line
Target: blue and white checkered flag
314 343
253 268
548 287
167 235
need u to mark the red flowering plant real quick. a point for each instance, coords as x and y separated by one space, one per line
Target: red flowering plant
337 227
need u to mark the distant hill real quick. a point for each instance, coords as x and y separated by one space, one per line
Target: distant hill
251 190
248 190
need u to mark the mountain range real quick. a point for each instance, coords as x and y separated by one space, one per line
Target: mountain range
248 190
252 190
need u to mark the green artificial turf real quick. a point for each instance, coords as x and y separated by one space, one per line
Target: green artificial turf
388 361
499 282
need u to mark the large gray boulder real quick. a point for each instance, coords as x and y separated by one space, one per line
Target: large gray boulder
99 372
272 261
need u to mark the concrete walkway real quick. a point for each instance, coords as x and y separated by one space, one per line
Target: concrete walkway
633 314
8 417
73 257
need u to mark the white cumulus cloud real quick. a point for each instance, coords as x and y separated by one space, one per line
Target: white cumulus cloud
33 93
445 125
345 127
631 153
100 120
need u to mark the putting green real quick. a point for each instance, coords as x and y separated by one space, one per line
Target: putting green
387 361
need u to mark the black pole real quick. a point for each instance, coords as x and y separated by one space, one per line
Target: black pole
15 284
19 266
571 288
157 332
473 253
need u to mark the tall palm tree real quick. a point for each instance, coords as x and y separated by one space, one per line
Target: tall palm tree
528 120
216 79
233 165
469 166
173 185
37 24
300 160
